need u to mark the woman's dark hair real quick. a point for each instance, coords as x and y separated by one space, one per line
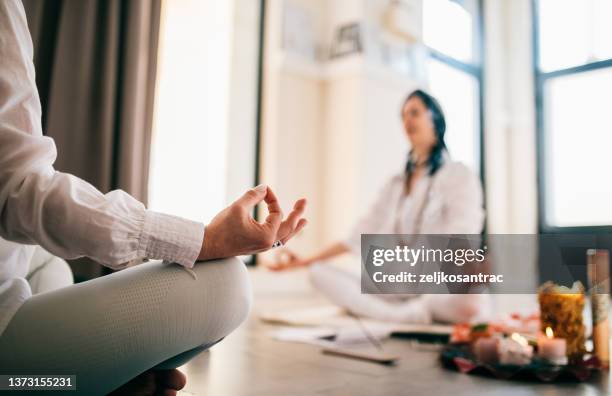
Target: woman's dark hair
437 116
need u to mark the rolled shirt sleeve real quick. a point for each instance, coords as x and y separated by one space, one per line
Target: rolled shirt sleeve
62 213
171 238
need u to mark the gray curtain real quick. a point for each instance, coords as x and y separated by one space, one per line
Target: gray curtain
95 70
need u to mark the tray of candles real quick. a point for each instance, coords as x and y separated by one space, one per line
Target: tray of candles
491 351
545 346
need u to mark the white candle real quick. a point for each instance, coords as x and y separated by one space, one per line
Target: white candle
515 350
552 349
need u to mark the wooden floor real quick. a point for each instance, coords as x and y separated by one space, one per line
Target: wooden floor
249 362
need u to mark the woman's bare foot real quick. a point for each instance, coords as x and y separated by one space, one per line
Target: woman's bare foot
153 383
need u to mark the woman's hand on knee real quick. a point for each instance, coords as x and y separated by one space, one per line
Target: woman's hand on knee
286 259
235 232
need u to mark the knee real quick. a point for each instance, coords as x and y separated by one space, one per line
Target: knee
240 296
232 291
50 273
472 306
326 278
477 306
316 273
465 307
63 271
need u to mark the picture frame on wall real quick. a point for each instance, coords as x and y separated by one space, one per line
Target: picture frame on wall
347 40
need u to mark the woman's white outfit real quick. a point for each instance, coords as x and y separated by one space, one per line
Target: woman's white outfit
448 202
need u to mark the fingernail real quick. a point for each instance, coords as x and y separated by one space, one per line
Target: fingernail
261 188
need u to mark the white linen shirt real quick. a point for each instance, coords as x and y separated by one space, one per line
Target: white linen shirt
62 213
452 205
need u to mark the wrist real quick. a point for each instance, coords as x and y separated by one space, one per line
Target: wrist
308 261
209 249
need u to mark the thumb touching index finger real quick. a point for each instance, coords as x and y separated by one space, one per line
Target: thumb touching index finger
253 196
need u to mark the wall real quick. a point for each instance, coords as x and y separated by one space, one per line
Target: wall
332 131
510 140
243 98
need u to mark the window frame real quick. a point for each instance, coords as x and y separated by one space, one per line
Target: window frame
540 80
475 70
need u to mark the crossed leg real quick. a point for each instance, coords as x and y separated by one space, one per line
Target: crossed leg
109 330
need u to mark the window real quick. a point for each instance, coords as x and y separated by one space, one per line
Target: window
452 30
574 32
573 94
451 27
205 120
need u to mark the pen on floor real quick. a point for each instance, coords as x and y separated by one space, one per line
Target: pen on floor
373 340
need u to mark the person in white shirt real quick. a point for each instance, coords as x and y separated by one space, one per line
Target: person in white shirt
111 329
433 195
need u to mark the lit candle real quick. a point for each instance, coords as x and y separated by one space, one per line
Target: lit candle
485 349
515 350
552 349
561 309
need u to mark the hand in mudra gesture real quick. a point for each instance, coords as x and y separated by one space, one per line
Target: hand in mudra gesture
234 231
286 259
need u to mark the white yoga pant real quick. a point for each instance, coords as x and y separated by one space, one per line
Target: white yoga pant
111 329
47 272
344 289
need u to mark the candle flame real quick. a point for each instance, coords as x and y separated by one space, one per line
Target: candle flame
518 338
549 333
